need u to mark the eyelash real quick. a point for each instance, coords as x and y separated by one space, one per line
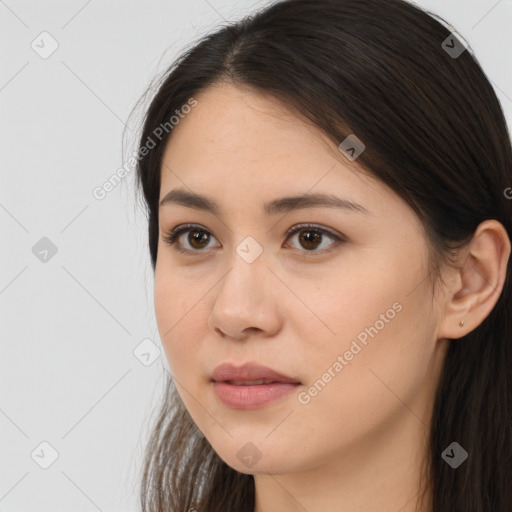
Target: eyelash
171 237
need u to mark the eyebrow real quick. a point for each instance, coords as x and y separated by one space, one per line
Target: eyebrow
274 207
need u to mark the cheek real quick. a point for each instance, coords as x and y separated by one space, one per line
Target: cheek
174 299
340 310
372 381
178 311
379 329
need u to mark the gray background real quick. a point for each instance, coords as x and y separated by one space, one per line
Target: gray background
71 321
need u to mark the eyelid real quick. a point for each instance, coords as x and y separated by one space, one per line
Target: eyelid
313 227
171 237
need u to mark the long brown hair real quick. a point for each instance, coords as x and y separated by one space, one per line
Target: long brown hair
393 75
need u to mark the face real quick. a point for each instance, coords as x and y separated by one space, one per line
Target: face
342 305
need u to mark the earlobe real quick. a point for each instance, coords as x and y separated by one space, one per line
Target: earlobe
478 281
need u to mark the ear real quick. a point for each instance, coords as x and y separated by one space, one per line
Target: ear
478 282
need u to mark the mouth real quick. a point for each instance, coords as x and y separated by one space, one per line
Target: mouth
249 374
250 382
251 386
252 394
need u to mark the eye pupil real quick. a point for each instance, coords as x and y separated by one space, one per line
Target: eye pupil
201 238
310 238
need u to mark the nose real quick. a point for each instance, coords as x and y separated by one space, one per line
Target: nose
247 301
237 335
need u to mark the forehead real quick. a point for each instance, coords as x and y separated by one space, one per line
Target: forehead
239 143
243 124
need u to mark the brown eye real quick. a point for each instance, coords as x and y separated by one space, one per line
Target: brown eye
197 238
311 237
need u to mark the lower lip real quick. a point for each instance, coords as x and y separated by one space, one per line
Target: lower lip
251 397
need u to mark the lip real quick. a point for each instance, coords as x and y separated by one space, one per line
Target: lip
247 372
250 396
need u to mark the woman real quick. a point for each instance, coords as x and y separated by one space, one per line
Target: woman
329 230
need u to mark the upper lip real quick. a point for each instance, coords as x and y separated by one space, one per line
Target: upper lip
248 372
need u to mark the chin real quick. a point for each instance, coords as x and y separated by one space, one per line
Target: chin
251 461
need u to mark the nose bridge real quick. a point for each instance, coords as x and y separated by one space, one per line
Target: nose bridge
248 274
244 299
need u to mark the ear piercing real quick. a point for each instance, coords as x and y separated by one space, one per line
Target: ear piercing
461 323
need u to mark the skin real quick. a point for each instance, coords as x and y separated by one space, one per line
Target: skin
361 440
